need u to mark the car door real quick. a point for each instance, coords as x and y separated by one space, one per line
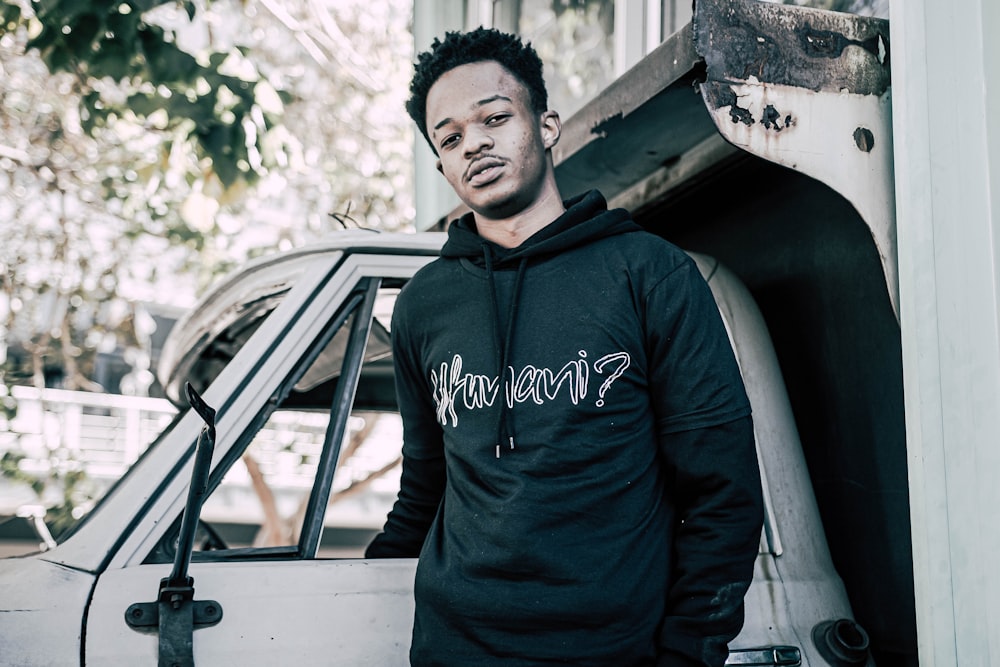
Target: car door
286 594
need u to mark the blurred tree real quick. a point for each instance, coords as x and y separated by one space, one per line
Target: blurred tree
575 40
225 109
149 145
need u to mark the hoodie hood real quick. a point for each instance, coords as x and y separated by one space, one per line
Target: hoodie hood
586 219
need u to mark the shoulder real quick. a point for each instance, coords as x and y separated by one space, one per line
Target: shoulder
434 282
645 248
649 260
440 271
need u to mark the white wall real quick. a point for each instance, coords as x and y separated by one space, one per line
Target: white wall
946 124
434 198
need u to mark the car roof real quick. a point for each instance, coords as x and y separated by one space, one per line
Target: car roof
228 313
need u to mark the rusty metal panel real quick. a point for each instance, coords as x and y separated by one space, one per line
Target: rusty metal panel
808 89
797 46
646 118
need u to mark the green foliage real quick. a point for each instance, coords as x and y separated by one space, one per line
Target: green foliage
10 467
144 152
146 174
99 40
70 487
10 17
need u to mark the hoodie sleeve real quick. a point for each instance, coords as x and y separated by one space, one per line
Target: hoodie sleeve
423 477
711 471
715 486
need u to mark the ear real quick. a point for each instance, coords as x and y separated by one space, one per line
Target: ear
551 128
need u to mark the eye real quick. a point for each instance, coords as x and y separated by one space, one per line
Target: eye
498 118
449 141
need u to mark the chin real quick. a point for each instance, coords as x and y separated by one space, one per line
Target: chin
495 205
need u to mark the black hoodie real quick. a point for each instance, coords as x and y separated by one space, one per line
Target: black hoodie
579 476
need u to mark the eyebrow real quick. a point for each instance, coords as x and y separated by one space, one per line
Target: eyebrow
480 103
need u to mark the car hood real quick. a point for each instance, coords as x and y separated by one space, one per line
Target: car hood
41 611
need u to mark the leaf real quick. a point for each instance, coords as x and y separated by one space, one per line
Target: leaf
82 34
10 15
44 39
125 27
111 59
56 57
166 62
219 142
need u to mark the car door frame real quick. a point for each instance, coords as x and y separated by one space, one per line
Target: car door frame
254 377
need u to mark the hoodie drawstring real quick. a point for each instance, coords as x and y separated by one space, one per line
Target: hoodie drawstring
505 423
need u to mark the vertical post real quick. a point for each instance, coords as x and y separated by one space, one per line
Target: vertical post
72 420
946 120
434 198
630 34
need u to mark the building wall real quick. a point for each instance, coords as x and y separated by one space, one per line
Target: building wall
946 81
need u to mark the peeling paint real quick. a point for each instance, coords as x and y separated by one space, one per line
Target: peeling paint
830 44
796 46
740 115
737 113
772 120
834 142
604 127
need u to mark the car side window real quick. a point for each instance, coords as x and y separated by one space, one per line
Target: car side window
264 501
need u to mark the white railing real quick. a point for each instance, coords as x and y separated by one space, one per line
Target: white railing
100 434
57 431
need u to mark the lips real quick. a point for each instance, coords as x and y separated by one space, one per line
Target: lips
483 171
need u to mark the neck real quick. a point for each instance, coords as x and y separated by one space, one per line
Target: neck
513 231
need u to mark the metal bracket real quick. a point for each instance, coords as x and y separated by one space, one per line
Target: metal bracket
175 616
175 613
205 613
769 656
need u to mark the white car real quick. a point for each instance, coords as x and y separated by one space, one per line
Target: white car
306 331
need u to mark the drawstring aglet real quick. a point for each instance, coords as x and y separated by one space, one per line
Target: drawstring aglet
510 439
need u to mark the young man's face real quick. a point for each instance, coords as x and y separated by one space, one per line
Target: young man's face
491 146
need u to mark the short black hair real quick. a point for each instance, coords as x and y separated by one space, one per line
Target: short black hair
481 44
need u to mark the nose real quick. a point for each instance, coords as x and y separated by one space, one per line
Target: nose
476 141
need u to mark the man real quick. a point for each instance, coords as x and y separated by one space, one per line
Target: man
579 475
